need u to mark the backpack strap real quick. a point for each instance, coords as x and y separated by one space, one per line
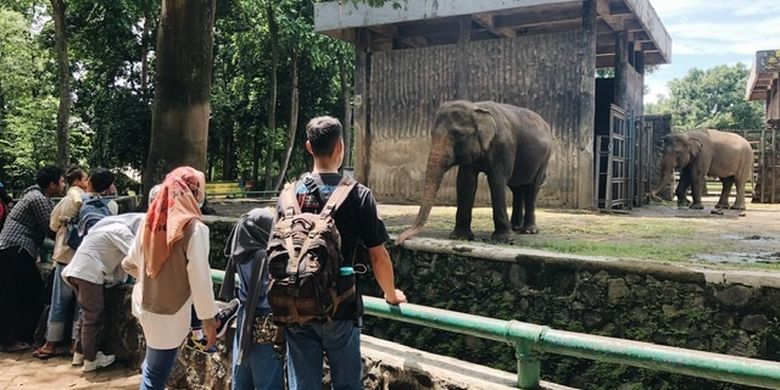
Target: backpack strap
288 200
338 196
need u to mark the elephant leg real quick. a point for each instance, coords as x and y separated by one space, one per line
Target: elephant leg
739 202
466 191
697 181
498 200
518 195
723 202
529 224
682 188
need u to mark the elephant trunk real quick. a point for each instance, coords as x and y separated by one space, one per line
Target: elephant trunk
439 161
667 170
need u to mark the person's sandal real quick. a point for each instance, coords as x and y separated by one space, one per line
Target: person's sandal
44 354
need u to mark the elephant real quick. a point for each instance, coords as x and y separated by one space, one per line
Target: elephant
705 152
511 145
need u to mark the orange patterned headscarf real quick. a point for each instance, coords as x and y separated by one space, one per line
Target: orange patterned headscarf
171 211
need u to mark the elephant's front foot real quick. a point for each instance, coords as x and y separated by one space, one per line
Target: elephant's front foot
684 202
517 228
697 206
530 229
719 206
462 234
501 236
740 207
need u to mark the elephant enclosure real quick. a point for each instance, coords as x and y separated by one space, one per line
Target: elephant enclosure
657 232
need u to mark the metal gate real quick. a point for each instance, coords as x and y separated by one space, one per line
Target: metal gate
613 158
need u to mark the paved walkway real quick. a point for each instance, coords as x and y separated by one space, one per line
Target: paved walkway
22 371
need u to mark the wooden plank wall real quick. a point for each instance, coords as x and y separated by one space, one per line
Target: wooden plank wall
546 73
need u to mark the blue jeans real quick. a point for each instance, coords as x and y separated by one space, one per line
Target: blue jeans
261 370
340 340
63 308
157 367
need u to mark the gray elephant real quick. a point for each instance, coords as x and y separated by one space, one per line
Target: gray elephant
511 145
701 153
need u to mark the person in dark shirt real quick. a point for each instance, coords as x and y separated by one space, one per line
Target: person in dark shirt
20 281
359 226
256 365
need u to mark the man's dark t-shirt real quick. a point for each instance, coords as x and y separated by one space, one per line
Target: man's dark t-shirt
356 219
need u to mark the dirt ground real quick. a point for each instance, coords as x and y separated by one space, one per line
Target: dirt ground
658 231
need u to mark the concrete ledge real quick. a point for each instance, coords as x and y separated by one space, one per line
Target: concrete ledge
663 270
397 366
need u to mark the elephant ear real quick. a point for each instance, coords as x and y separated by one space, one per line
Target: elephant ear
486 127
696 147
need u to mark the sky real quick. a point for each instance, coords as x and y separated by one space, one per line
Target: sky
706 33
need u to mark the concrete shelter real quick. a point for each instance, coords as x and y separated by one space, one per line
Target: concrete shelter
539 54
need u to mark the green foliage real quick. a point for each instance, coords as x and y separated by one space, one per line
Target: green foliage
712 98
27 108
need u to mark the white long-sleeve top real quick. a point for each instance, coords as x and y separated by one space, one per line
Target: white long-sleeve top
164 331
98 258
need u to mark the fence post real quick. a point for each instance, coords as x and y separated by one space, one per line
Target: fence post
528 365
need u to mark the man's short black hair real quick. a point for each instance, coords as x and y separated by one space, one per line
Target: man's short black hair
73 174
101 179
47 175
323 133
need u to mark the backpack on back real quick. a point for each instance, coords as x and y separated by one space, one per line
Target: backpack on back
304 257
93 209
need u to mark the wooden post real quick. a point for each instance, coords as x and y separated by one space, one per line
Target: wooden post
584 168
361 114
463 59
621 70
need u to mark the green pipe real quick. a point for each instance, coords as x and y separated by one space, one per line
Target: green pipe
530 339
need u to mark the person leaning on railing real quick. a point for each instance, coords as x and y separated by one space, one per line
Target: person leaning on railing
169 259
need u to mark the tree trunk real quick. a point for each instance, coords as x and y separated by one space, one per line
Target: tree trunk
273 29
63 76
145 38
228 150
293 128
346 97
180 113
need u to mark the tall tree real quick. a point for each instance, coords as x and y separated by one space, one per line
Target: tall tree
63 77
713 98
180 113
273 29
292 128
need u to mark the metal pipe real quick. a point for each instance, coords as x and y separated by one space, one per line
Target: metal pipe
530 341
733 369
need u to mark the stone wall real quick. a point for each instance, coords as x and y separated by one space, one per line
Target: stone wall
734 313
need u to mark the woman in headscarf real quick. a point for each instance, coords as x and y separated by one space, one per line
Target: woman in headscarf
169 259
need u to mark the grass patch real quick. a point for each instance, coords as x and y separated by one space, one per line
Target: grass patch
677 252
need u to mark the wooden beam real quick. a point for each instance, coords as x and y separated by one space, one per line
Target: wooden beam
486 21
336 15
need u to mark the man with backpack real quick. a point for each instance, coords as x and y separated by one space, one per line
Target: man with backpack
313 255
64 220
20 281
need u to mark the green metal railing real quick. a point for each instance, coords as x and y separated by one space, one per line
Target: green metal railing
531 341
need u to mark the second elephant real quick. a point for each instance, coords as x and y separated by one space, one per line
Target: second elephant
511 145
701 153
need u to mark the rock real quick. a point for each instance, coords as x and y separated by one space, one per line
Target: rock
669 292
741 345
736 295
724 320
589 292
669 311
592 319
753 323
616 290
633 279
639 314
517 276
